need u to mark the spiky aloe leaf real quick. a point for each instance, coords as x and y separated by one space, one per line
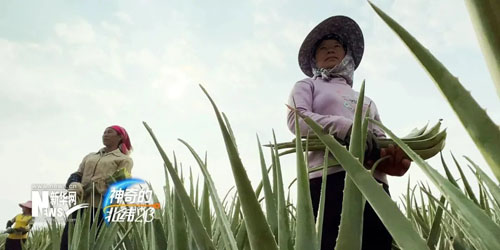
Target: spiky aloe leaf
284 238
205 209
433 238
106 236
305 236
448 173
82 230
483 131
353 204
322 197
476 223
269 197
54 236
396 223
468 188
492 186
222 217
486 21
200 235
180 236
259 232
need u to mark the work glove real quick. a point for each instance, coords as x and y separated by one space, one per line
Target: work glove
74 177
372 149
21 230
370 143
9 224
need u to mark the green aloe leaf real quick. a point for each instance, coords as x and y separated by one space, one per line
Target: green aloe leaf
224 224
259 232
241 236
476 222
236 212
200 235
284 239
106 237
322 198
205 209
140 244
433 238
468 188
448 173
492 186
486 21
54 236
82 230
483 131
180 236
305 235
168 209
94 227
396 223
353 204
269 197
123 238
223 219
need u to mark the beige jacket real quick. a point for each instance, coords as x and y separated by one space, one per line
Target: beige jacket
96 167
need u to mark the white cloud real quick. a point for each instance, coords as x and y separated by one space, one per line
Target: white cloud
436 23
124 17
110 28
78 32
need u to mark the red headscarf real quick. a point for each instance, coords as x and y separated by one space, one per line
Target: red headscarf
125 146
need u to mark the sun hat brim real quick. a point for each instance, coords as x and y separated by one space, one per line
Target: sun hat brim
343 27
27 204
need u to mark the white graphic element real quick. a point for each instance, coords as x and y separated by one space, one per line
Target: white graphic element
74 208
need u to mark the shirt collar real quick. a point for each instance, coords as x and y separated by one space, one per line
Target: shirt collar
116 152
338 80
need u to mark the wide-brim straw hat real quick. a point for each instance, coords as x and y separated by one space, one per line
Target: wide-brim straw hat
26 204
343 27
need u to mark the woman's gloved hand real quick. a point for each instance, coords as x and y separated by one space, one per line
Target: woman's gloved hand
20 230
370 143
9 224
372 149
101 186
74 177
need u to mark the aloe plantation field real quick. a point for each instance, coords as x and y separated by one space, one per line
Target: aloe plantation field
447 211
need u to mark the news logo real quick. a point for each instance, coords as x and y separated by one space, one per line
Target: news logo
129 200
53 201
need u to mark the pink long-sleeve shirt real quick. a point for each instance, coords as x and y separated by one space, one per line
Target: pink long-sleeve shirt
331 104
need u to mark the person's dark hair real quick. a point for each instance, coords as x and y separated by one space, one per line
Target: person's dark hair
329 37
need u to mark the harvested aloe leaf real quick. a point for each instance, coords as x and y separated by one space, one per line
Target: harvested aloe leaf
426 142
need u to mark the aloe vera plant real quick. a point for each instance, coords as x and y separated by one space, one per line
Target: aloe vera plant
486 21
483 131
434 223
353 203
480 224
459 217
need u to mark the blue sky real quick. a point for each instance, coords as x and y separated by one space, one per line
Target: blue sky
68 69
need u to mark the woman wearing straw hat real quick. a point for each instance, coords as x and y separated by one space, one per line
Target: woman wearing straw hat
328 56
19 227
97 167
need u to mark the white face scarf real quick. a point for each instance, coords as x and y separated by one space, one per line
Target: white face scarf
344 69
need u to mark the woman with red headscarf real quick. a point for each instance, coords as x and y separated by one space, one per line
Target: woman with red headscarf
97 167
